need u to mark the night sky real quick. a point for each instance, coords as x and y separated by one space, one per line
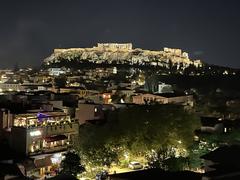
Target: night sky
207 29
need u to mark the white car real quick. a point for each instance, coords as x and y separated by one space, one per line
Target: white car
135 165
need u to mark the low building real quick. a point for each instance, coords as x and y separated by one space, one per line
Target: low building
39 131
11 87
165 88
43 138
147 98
89 112
56 71
222 163
179 99
124 92
167 98
214 125
107 98
211 125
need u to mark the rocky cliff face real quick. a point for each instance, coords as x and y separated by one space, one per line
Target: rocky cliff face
109 54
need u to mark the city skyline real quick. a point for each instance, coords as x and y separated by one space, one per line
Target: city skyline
31 30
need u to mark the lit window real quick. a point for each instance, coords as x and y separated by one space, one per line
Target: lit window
35 133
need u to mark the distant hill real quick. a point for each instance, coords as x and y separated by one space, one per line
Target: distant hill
113 53
168 60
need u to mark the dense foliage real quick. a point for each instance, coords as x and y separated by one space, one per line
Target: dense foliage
134 131
71 164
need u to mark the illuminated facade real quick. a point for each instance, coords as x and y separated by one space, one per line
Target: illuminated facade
148 98
165 88
107 98
124 53
43 132
11 87
43 137
55 71
89 112
121 46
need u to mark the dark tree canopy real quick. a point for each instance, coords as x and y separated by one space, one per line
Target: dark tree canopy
71 165
137 130
60 81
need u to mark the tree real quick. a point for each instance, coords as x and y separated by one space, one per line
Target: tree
71 165
176 163
138 130
60 81
103 156
156 158
151 83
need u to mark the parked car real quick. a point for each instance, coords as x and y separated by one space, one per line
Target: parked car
135 165
146 167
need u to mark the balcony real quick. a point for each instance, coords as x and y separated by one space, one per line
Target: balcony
50 150
56 129
60 129
56 149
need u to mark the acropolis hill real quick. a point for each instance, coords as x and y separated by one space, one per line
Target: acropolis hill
123 54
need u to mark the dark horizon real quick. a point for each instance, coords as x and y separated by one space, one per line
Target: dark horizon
208 30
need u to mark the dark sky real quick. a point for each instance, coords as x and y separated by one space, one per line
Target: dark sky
207 29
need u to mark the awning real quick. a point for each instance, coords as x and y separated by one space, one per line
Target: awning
55 138
44 162
35 163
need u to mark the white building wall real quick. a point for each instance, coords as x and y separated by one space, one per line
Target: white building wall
86 112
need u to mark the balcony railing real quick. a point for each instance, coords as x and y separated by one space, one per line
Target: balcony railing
61 129
45 124
51 150
55 149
